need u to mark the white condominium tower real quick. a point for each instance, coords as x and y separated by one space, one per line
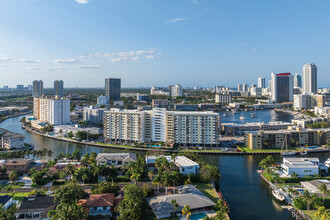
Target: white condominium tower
261 82
124 125
54 111
175 90
310 78
160 125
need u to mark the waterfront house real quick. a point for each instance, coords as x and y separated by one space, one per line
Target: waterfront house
184 164
116 159
312 186
301 166
6 201
11 140
187 195
100 205
19 165
35 207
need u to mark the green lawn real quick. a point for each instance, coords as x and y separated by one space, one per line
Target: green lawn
18 196
248 150
208 190
18 185
312 214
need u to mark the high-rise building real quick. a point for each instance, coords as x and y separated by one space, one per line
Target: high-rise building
223 98
112 88
297 81
54 111
20 87
38 88
243 87
282 87
310 78
175 90
93 114
58 88
160 125
102 100
29 87
261 82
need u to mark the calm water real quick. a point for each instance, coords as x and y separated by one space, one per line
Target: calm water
248 197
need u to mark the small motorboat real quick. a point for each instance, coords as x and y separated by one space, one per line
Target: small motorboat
304 153
278 195
224 114
327 162
242 117
288 153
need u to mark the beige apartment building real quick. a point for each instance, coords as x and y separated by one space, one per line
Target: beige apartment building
295 137
159 125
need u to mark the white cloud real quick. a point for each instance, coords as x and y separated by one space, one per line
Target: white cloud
125 55
66 61
5 59
88 66
58 68
82 1
174 20
32 69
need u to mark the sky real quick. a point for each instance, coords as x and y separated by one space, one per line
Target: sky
161 42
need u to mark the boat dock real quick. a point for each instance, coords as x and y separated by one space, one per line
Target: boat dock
296 213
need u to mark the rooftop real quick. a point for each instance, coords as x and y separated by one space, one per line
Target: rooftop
38 203
18 161
98 200
125 157
188 195
183 161
4 199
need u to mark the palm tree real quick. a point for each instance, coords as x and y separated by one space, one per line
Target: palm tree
68 211
175 204
8 188
324 190
323 213
165 179
13 176
157 181
309 198
135 177
174 179
50 153
151 175
186 211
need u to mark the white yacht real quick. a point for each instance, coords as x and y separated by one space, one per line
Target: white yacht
278 195
327 162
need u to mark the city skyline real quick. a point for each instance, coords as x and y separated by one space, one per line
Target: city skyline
146 43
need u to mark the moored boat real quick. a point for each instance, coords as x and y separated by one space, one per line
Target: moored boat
277 195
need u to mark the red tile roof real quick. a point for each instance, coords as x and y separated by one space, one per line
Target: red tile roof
98 200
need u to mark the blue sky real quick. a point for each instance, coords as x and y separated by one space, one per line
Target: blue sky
161 42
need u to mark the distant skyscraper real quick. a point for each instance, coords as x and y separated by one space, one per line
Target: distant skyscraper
38 88
58 88
20 87
282 87
29 87
310 78
261 82
175 90
297 81
112 88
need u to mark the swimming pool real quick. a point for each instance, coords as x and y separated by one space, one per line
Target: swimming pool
154 145
198 216
313 147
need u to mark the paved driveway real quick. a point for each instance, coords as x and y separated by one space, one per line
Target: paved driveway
26 180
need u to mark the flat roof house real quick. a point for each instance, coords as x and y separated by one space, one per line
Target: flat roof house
301 166
36 207
312 186
184 164
116 159
188 195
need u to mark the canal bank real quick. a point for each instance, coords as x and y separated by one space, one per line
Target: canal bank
247 196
